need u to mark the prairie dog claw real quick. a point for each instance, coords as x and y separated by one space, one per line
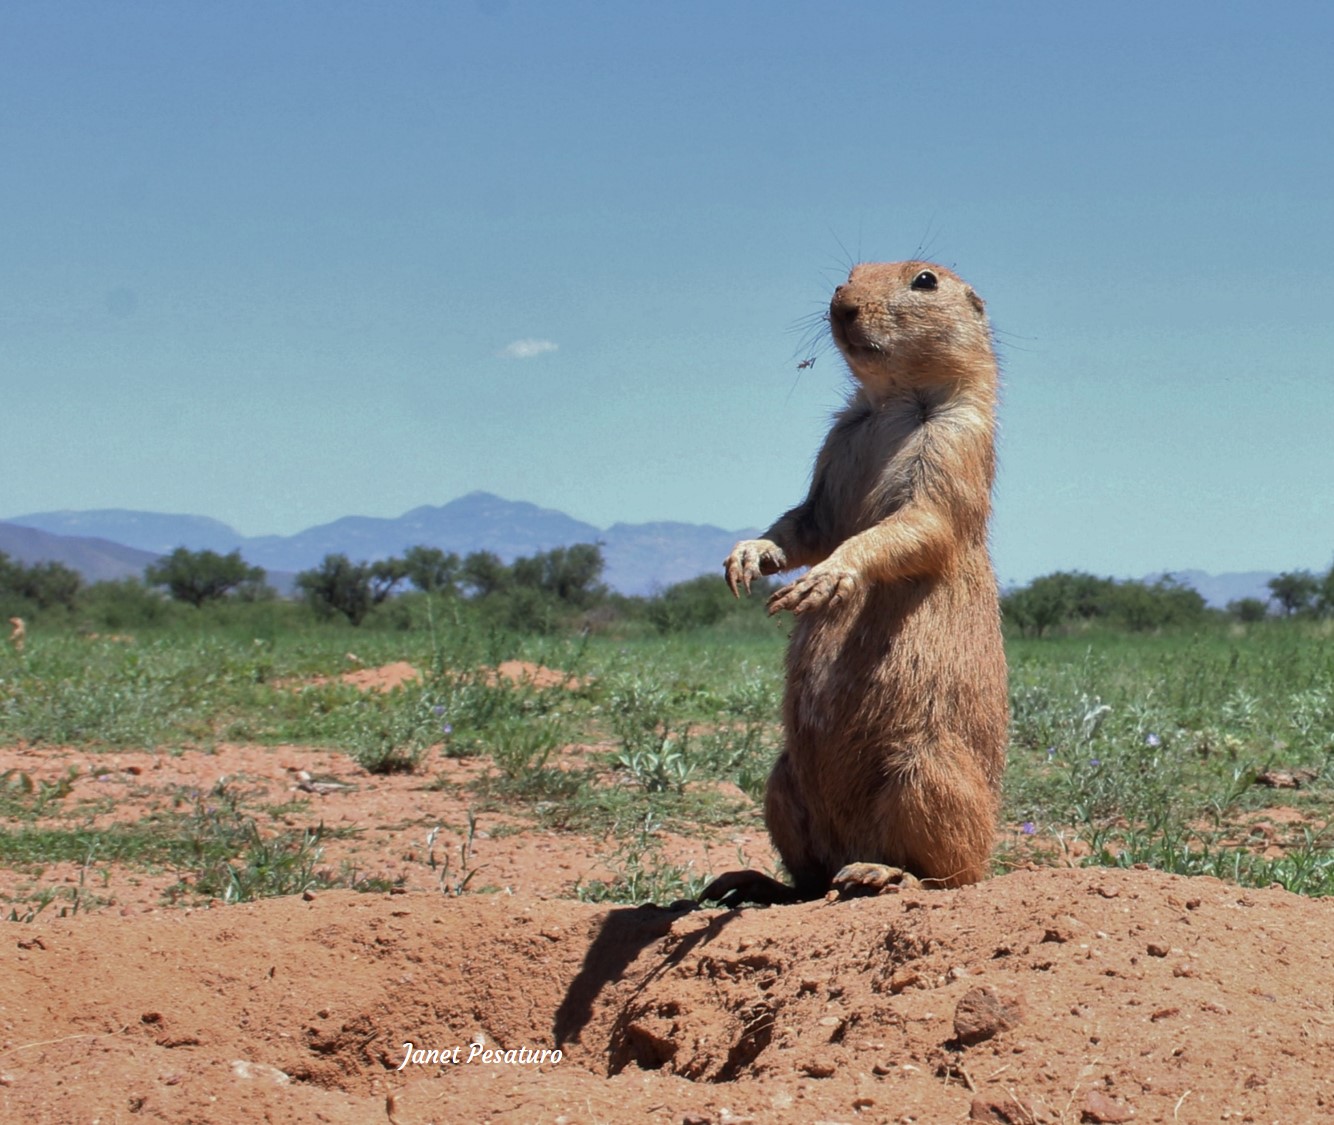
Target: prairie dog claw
814 590
751 559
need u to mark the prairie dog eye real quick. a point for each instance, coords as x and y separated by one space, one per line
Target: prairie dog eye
925 280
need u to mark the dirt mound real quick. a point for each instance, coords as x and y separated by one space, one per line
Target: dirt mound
387 677
1041 996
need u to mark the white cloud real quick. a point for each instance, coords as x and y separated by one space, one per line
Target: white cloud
527 349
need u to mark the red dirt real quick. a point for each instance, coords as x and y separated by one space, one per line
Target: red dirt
1084 995
389 676
536 675
384 678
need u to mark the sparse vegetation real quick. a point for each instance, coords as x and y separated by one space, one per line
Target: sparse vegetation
1158 738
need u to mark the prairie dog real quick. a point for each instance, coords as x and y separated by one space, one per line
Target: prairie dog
17 633
895 711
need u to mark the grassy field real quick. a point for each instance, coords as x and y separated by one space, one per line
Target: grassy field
1165 749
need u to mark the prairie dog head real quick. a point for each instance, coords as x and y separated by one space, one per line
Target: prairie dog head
909 326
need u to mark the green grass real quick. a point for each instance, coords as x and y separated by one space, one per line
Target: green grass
1125 749
1151 749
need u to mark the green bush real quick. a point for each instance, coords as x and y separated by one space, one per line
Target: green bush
1074 598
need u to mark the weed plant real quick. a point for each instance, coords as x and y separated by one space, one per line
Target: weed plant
641 874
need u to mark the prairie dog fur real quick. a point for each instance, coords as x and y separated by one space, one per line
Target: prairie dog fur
895 710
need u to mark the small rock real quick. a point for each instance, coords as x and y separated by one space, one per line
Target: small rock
1157 949
984 1012
1102 1110
243 1068
903 978
1000 1111
1283 779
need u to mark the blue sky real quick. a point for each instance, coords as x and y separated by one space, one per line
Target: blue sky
277 263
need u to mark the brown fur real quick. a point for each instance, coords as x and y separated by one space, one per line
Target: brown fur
17 632
895 711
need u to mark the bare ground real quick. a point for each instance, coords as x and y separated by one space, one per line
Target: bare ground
1045 995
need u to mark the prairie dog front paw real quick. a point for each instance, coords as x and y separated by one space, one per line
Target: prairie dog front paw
818 587
751 559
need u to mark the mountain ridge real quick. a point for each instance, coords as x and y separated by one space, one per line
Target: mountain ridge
640 557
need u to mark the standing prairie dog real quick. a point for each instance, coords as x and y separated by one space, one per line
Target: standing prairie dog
895 711
17 633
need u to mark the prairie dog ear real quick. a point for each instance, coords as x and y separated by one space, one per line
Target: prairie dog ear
977 302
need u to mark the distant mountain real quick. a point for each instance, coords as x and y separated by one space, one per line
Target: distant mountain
644 557
96 559
476 522
641 558
148 531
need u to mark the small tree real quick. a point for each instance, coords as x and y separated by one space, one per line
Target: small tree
201 576
569 574
339 585
1041 605
1248 610
9 574
431 570
1154 605
1294 590
484 574
1324 599
52 583
692 604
